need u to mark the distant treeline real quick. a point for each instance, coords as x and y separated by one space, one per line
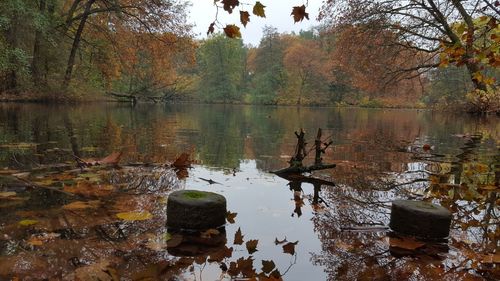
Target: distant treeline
145 50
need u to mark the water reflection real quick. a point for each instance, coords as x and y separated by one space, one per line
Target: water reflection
379 156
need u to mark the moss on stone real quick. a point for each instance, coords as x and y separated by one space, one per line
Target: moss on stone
194 194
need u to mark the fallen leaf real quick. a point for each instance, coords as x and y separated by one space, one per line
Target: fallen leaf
268 266
244 18
243 266
289 248
28 222
182 161
230 216
407 243
221 254
232 31
252 246
134 216
299 13
78 205
426 147
275 276
258 9
238 237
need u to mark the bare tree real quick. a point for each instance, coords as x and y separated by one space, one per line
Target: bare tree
424 26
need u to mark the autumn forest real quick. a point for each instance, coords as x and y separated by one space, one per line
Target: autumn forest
440 55
145 140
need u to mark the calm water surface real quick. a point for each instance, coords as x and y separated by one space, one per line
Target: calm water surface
379 155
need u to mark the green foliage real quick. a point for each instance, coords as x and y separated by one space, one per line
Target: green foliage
221 64
484 101
447 86
268 76
451 86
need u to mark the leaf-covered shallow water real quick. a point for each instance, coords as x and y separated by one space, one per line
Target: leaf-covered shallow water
60 221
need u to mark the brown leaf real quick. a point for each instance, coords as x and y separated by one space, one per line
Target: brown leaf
258 9
211 28
230 4
268 266
275 275
252 246
245 266
230 216
233 269
182 161
78 205
299 13
238 237
232 31
289 247
244 18
221 254
407 243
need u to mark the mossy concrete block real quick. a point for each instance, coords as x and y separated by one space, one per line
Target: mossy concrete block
419 218
195 210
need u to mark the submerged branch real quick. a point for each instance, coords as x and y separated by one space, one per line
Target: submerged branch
303 169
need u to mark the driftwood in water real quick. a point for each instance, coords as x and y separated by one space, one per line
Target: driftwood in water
302 178
303 169
300 149
296 166
319 148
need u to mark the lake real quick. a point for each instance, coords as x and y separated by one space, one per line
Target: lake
303 231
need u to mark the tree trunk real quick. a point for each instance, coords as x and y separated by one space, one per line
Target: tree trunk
10 80
36 63
76 44
69 17
50 13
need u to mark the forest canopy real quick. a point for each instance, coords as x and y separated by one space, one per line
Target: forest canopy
368 53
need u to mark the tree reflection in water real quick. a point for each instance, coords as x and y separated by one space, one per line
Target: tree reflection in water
468 186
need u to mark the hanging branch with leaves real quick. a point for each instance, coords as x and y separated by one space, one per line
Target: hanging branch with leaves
258 9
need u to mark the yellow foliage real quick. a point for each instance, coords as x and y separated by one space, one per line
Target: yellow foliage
134 216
